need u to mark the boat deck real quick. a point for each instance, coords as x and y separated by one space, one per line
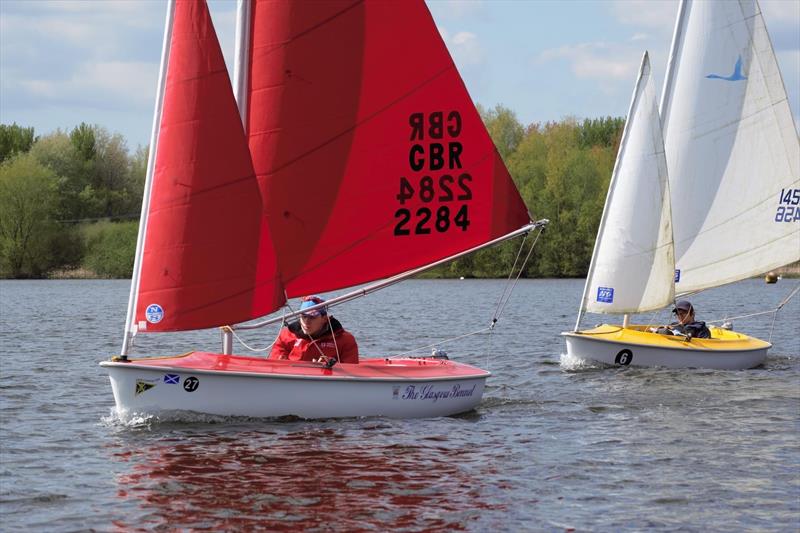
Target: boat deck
390 369
639 335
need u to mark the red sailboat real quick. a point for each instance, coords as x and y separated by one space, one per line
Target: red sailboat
354 154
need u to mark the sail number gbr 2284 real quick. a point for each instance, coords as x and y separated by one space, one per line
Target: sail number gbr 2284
437 178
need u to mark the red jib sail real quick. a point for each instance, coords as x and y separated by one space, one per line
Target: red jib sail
208 259
369 152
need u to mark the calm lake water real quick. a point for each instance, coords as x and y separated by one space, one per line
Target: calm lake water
553 446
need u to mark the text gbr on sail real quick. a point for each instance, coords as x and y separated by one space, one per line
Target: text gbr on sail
436 178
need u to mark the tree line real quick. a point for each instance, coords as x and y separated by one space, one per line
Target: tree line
70 200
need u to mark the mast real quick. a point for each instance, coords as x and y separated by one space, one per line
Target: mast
130 327
242 56
669 79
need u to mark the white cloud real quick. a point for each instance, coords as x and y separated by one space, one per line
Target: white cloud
781 12
464 46
133 82
599 61
648 13
459 8
101 84
640 37
467 48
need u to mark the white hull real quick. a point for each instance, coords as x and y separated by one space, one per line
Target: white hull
664 352
264 395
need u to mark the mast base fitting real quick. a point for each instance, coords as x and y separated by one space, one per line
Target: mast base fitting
120 359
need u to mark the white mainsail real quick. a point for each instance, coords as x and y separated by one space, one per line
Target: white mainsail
733 153
632 265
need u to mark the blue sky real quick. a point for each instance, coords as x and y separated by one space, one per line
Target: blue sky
63 62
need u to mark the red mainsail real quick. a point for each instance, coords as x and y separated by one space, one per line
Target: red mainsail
208 259
363 156
370 155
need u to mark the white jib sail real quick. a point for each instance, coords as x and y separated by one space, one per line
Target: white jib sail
633 264
733 153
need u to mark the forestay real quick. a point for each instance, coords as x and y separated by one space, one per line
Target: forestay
733 154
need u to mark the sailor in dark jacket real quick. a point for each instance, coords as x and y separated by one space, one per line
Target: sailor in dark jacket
686 324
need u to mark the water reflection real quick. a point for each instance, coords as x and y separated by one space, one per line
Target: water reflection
309 479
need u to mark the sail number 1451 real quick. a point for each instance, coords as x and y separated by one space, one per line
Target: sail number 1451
788 206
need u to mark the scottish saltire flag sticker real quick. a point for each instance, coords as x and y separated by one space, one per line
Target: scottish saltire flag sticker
605 295
172 379
677 275
154 313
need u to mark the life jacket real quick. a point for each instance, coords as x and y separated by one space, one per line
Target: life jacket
334 342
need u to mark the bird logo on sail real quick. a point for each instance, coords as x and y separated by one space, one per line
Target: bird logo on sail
736 76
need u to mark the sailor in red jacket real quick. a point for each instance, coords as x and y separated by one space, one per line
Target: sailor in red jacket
317 336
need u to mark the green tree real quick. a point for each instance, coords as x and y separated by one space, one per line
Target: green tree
83 138
604 132
111 177
27 205
138 171
14 140
111 248
57 152
504 129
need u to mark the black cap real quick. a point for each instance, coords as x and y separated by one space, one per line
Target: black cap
683 305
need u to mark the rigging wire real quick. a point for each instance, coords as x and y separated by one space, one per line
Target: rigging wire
502 301
500 307
773 311
247 346
270 345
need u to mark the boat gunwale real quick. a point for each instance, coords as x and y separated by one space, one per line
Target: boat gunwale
484 374
684 346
